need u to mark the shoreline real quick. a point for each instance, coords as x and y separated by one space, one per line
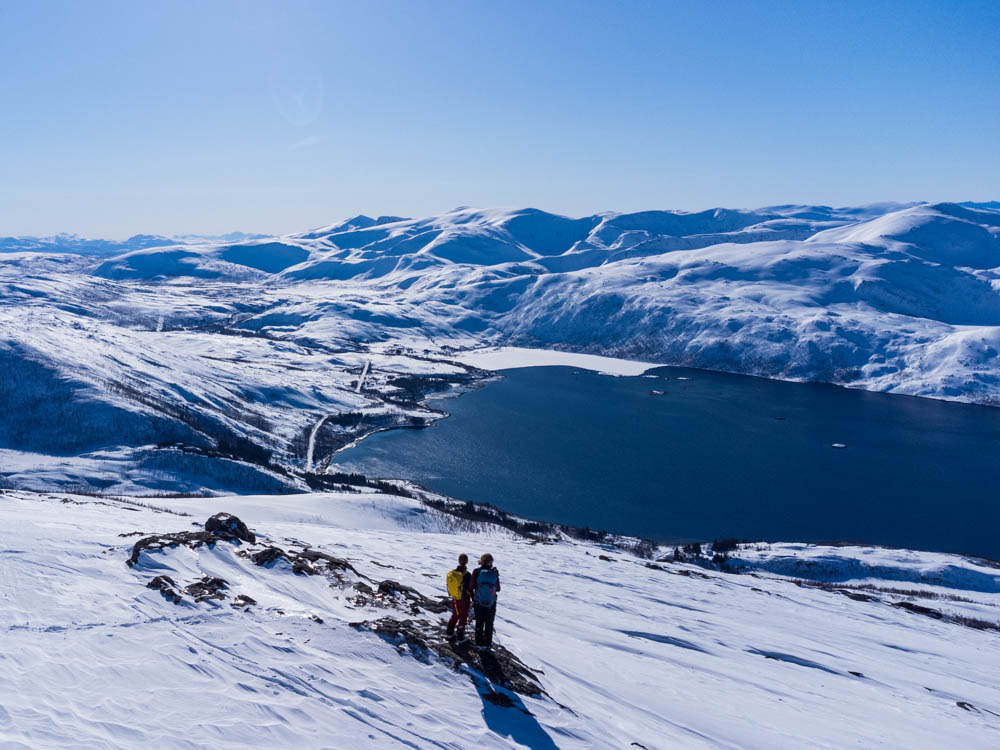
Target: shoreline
498 358
453 391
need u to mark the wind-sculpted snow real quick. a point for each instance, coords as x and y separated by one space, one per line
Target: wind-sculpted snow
200 344
321 625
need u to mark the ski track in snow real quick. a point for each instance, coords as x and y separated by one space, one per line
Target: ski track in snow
92 658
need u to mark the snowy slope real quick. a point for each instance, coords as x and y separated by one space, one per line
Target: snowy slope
807 647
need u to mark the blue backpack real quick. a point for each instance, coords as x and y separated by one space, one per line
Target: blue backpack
486 587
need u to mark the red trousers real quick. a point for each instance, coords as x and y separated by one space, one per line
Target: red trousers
459 615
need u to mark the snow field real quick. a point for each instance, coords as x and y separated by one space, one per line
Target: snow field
678 657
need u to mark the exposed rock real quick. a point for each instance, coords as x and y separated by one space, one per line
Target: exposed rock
391 588
393 592
220 526
166 586
331 563
691 574
919 609
229 526
857 595
242 600
423 639
207 588
499 699
157 542
269 556
307 561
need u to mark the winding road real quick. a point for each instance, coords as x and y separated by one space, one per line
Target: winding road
322 420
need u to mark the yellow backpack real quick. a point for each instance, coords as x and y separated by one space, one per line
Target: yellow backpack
455 578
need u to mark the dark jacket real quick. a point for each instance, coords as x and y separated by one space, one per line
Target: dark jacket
475 580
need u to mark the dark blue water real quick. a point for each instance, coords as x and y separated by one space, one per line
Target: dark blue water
717 456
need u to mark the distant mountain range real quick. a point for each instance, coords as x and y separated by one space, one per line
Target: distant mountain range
72 243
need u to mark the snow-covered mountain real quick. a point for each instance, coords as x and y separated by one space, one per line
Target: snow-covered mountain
206 365
326 631
72 243
884 297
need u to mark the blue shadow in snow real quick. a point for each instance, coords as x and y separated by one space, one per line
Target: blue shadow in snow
506 715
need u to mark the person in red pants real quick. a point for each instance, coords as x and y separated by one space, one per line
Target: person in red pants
460 590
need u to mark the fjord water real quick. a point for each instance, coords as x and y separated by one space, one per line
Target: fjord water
715 456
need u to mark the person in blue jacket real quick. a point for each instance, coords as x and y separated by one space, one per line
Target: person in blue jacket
485 587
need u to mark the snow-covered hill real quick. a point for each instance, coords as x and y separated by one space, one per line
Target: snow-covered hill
206 365
886 297
326 632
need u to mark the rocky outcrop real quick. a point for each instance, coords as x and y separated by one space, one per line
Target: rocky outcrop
166 586
422 639
221 526
159 542
306 561
395 595
207 587
228 526
499 676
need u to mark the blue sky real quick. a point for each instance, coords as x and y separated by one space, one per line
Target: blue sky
173 117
